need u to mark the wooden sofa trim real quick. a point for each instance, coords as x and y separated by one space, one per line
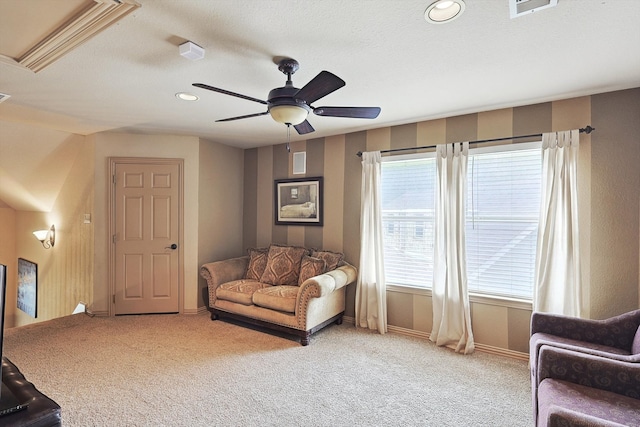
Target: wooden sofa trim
304 335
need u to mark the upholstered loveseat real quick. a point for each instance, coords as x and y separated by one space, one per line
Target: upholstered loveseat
285 288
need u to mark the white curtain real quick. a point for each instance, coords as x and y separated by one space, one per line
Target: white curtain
371 295
558 281
451 313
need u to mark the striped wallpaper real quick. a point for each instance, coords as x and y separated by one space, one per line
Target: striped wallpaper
335 159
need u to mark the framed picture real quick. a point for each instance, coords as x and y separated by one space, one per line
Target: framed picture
298 201
28 287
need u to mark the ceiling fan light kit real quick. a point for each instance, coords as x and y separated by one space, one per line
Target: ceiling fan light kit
289 114
291 106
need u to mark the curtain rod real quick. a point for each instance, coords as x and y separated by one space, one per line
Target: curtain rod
588 129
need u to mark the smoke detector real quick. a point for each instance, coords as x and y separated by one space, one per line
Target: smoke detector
524 7
191 51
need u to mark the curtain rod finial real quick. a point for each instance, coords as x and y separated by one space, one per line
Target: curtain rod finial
359 153
588 129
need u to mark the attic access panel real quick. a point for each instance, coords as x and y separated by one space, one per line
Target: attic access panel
524 7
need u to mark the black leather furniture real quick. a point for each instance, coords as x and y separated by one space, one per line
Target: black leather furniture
41 410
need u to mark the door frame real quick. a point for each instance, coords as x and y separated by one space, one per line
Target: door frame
111 208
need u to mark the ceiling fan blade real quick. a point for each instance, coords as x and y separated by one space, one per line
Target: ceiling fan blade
352 112
321 85
243 117
227 92
304 127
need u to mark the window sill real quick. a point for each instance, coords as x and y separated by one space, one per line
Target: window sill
474 298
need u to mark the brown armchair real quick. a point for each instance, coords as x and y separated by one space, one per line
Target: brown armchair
617 337
581 389
614 339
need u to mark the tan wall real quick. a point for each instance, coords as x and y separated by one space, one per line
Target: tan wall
160 146
495 324
76 268
9 258
615 197
219 206
65 272
213 183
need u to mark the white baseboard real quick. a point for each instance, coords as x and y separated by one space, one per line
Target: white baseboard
98 313
425 335
192 311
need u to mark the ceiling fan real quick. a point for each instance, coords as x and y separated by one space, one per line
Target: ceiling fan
290 105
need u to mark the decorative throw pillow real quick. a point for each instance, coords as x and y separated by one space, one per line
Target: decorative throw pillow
310 267
331 258
283 265
257 263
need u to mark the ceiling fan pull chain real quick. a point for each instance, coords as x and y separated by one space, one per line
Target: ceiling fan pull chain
288 137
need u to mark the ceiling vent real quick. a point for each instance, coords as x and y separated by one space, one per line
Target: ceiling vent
4 97
524 7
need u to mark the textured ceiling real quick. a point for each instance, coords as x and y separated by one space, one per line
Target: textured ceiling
125 78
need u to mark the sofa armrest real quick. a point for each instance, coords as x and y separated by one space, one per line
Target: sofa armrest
603 373
328 282
224 271
617 331
219 272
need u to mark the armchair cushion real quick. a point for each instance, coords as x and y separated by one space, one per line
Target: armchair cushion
616 376
564 403
618 380
283 265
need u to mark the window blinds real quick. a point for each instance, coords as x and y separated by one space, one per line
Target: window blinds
502 208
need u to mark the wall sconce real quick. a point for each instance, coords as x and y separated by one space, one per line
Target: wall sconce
46 237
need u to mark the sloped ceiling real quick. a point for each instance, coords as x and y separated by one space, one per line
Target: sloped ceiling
34 163
125 77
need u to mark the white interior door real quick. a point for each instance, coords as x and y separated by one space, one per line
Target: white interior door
146 238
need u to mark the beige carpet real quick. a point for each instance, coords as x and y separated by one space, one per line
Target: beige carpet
172 370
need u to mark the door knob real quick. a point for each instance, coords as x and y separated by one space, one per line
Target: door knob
173 246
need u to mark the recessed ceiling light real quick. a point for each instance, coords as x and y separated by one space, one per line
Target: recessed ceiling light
186 96
443 11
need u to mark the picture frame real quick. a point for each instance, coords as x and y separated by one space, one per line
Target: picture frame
299 201
28 287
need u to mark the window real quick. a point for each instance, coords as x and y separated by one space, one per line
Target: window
502 208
